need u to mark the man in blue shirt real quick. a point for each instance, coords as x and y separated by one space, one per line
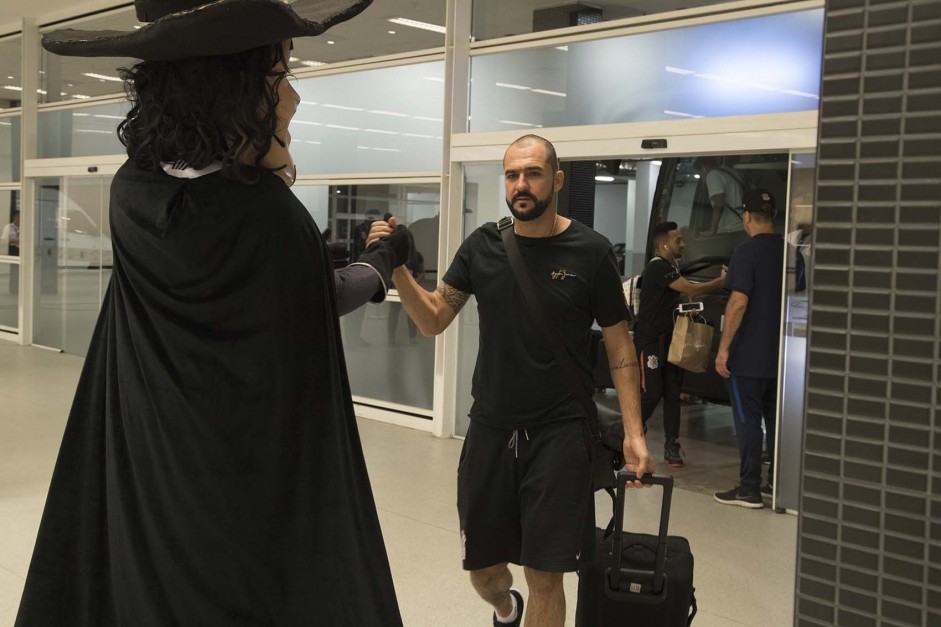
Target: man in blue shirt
748 351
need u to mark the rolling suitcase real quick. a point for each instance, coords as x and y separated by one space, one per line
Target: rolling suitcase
637 580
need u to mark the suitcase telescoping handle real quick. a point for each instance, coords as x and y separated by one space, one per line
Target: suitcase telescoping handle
639 586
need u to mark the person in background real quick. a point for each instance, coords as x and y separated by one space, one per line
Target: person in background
725 195
748 350
524 478
211 471
662 285
10 236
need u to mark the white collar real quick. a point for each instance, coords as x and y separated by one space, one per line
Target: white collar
186 172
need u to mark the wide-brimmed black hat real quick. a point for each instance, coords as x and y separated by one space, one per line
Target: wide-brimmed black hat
181 29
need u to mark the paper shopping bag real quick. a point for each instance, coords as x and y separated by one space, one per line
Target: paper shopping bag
691 343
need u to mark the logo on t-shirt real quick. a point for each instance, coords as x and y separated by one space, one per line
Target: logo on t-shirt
653 362
561 273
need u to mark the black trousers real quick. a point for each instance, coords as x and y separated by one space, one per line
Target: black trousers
660 379
754 400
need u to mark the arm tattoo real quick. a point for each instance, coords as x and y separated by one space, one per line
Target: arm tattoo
455 298
624 364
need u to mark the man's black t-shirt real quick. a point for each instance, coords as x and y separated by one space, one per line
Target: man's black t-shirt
657 301
756 271
517 381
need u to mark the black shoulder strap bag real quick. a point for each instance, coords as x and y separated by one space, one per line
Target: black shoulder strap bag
607 429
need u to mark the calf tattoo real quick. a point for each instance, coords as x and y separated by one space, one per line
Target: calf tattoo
455 298
624 364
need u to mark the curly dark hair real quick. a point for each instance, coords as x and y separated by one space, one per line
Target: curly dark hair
203 109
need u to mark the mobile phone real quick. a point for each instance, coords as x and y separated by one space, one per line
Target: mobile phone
689 308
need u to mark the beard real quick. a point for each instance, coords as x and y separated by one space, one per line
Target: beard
539 207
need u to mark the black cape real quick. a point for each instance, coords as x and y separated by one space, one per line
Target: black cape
211 471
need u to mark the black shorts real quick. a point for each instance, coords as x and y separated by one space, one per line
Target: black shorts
525 496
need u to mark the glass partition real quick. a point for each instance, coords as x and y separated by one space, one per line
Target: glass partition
662 75
9 296
73 260
496 18
9 264
11 82
81 131
388 360
383 120
798 247
484 201
9 149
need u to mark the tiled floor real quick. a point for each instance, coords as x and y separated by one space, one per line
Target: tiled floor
744 559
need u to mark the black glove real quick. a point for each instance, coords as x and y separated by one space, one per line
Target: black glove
403 245
389 253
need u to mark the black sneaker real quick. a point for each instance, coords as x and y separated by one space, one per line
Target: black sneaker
519 612
673 454
767 491
735 496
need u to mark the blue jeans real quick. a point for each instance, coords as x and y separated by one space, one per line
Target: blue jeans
753 399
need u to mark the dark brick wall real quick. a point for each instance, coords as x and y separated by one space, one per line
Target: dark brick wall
869 549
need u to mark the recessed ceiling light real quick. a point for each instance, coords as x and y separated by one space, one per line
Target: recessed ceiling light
331 42
515 123
102 77
604 179
391 32
513 86
416 24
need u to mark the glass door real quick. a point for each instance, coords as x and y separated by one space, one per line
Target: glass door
798 247
73 260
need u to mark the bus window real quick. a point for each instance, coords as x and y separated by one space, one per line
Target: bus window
702 195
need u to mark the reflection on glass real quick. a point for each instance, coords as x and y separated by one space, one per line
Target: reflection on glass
384 120
663 75
495 18
798 248
10 149
73 260
387 359
11 81
9 295
81 132
700 195
398 28
417 26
